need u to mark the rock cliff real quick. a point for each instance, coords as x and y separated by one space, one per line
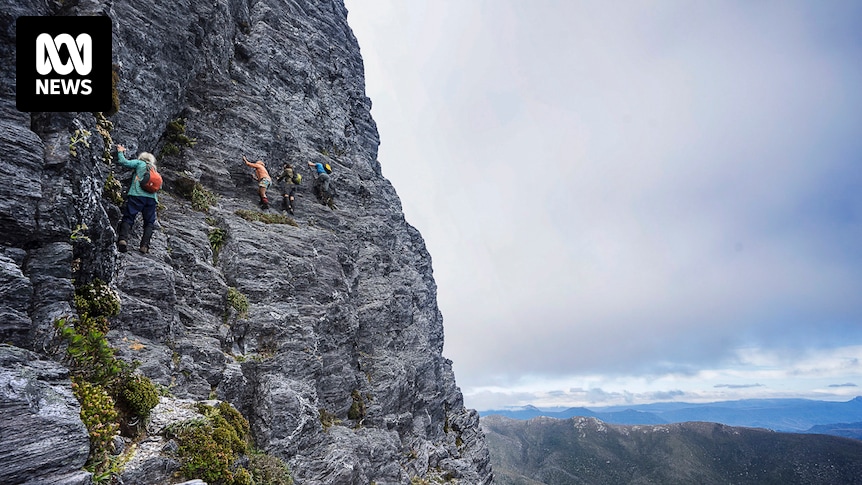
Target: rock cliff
337 360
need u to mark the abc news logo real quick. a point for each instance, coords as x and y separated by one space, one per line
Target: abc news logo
63 64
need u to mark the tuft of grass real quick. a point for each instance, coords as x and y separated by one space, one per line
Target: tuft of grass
238 302
328 419
266 218
357 410
217 237
202 199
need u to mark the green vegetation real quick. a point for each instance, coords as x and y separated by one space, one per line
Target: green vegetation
332 151
202 199
237 301
99 416
113 189
79 137
268 470
266 218
217 237
357 411
328 419
115 94
104 126
140 396
80 234
97 299
209 448
111 396
175 138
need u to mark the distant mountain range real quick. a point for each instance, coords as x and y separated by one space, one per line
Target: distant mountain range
787 415
545 451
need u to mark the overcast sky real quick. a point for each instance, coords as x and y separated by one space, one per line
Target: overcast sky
630 201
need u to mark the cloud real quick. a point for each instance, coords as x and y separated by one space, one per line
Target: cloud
630 191
847 384
737 386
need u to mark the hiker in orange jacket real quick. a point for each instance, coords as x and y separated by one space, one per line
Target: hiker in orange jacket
263 180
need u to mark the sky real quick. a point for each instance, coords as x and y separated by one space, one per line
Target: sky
633 201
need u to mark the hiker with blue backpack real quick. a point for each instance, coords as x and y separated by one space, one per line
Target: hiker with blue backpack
323 185
142 198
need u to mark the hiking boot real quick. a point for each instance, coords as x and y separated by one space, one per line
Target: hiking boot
144 249
122 234
145 238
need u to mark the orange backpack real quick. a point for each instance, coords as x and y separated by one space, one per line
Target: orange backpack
152 180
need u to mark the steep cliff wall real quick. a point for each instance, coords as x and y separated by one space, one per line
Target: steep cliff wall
342 305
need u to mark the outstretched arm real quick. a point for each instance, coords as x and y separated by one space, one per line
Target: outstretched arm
121 157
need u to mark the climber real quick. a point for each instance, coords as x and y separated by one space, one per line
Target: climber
290 179
323 185
138 200
263 180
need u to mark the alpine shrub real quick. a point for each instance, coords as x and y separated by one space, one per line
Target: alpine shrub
209 447
269 470
140 395
98 415
97 299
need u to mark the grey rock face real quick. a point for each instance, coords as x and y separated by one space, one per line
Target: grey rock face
337 363
43 438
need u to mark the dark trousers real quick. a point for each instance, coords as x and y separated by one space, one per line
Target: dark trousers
135 204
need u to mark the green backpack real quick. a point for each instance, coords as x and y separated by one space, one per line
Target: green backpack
297 178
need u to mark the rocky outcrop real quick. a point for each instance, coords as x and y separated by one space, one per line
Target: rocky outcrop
43 438
337 360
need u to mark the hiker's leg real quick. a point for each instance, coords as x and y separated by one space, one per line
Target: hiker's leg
130 211
145 238
123 236
261 189
149 215
324 184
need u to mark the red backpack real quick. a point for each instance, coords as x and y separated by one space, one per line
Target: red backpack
152 181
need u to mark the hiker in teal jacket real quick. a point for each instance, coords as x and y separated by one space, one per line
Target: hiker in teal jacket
139 200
